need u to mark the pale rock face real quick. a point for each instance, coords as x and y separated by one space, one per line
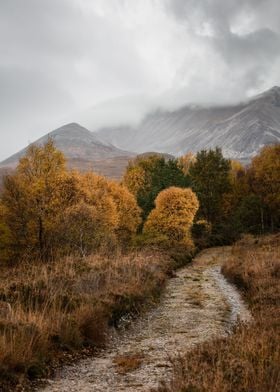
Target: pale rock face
240 130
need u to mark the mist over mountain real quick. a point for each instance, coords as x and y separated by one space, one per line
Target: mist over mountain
240 130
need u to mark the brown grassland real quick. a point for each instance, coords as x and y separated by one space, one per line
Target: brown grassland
66 305
249 359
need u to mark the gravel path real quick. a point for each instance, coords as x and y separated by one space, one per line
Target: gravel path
197 305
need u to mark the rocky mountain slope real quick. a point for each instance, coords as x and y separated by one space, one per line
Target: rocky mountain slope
241 130
83 150
76 142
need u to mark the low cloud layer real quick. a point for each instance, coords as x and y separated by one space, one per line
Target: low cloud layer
59 57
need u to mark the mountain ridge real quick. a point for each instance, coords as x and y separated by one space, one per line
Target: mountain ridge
76 142
83 151
240 130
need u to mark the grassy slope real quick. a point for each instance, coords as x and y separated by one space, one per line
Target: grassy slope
67 305
249 360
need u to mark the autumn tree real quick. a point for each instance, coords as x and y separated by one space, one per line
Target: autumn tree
238 189
185 162
266 180
114 202
34 197
85 228
47 210
129 214
210 180
146 176
135 178
254 198
174 212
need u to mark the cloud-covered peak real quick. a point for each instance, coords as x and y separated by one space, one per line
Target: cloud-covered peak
60 57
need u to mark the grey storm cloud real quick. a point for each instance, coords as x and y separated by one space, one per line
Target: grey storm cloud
60 57
244 34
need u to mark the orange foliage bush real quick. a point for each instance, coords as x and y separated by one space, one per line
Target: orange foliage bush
46 210
173 215
134 179
127 210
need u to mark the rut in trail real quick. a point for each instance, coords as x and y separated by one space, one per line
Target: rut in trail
197 305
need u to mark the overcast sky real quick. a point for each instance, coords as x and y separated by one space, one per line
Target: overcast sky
60 57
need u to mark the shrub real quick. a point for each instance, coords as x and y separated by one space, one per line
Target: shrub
146 176
173 216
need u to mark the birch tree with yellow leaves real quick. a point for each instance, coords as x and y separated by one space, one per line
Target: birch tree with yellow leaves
173 216
46 210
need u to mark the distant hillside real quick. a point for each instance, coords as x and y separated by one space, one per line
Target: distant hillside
241 130
76 142
83 150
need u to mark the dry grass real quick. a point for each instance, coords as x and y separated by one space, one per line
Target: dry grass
128 363
67 305
249 360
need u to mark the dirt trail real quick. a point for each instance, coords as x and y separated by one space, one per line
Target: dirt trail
198 304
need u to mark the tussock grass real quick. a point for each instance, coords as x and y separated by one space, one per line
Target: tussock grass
248 360
69 304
